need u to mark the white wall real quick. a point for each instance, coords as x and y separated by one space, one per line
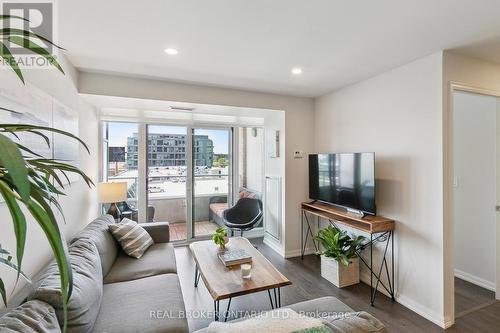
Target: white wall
299 123
398 115
255 157
474 160
80 204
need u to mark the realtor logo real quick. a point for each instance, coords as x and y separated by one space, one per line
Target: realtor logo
37 17
39 20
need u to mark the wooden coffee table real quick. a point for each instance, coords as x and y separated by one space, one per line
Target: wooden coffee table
226 282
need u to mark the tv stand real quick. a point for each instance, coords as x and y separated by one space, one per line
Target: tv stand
380 229
355 212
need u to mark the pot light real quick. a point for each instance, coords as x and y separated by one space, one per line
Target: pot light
171 51
296 71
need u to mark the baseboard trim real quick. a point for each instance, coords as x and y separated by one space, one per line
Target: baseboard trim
424 311
298 252
274 246
475 280
412 305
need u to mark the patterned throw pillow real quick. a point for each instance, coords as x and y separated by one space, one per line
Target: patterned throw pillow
132 237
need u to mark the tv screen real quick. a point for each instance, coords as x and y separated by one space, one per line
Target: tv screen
346 180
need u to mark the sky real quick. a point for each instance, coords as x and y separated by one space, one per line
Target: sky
118 133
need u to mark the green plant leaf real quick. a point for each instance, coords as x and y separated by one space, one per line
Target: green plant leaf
34 47
9 263
12 160
23 127
19 222
6 17
26 149
26 33
53 235
9 58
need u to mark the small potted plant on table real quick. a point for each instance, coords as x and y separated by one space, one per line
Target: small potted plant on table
220 238
339 259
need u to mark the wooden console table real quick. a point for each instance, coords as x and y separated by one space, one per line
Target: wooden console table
381 229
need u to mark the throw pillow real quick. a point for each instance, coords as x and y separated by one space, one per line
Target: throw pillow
132 237
275 321
354 322
32 316
85 300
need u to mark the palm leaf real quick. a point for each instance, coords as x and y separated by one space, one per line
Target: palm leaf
22 128
19 222
26 33
34 47
10 264
6 17
53 235
12 160
9 58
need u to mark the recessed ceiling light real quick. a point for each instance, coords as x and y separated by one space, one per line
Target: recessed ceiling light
296 71
171 51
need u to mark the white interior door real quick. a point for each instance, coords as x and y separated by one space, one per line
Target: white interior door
475 187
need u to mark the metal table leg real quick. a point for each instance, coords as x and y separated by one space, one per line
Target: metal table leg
216 310
196 276
270 298
226 314
371 270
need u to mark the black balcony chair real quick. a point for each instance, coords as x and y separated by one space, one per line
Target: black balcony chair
132 213
244 215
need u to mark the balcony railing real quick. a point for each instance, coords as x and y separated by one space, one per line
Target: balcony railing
167 194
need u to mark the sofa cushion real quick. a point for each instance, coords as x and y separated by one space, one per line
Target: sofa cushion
133 239
150 305
158 259
85 300
32 316
97 232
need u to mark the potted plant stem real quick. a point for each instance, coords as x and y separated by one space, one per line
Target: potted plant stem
339 259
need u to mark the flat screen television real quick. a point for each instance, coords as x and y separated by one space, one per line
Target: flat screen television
346 180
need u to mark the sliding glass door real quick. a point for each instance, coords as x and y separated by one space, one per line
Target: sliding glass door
167 178
211 172
176 174
120 162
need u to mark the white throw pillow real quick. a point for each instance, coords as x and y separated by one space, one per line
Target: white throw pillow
275 321
132 237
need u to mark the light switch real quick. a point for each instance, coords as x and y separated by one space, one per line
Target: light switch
298 154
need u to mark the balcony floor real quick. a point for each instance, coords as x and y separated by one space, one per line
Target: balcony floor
202 228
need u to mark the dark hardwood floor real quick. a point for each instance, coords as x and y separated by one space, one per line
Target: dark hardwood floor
308 284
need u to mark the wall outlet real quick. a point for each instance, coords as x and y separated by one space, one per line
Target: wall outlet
298 154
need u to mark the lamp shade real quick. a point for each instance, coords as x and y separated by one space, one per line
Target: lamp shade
112 192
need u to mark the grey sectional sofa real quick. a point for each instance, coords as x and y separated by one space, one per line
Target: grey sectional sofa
115 293
129 292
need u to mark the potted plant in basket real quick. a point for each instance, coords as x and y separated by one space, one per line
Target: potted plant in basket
339 259
220 238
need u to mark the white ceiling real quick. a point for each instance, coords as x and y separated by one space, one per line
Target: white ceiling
487 49
253 44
